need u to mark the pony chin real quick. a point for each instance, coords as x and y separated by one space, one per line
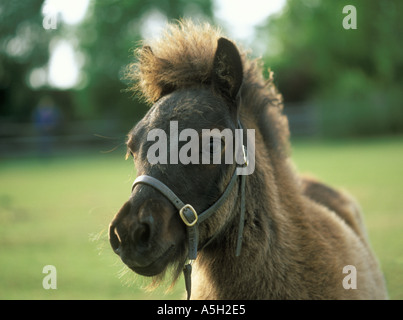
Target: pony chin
169 274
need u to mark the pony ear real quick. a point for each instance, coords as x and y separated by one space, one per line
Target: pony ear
227 71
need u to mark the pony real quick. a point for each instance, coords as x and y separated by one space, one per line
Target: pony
271 234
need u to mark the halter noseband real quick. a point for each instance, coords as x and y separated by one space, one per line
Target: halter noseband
191 219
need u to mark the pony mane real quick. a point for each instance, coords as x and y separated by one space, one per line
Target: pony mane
183 57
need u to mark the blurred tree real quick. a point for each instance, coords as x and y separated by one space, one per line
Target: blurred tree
108 37
23 47
105 39
355 76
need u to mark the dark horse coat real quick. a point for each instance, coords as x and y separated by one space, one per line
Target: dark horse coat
299 234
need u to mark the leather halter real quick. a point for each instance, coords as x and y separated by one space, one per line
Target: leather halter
192 220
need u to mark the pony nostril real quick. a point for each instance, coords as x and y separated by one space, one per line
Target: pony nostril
114 239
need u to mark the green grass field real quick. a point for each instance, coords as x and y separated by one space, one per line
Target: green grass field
56 212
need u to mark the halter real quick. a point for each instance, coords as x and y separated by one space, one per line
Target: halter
192 219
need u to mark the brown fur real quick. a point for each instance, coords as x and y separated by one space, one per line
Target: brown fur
299 233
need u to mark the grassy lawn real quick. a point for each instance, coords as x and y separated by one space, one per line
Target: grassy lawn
56 212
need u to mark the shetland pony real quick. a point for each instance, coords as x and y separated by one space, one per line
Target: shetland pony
273 234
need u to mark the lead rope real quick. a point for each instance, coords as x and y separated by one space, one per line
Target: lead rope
187 273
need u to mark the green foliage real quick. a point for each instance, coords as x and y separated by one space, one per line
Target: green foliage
354 76
23 46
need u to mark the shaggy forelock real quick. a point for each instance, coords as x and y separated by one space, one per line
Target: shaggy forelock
181 57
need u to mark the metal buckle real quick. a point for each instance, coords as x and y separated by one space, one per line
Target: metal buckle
245 157
185 219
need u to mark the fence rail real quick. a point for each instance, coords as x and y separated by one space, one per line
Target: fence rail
18 139
102 135
303 119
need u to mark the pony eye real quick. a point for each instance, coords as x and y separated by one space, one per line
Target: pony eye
213 146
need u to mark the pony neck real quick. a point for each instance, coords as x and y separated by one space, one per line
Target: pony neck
219 274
